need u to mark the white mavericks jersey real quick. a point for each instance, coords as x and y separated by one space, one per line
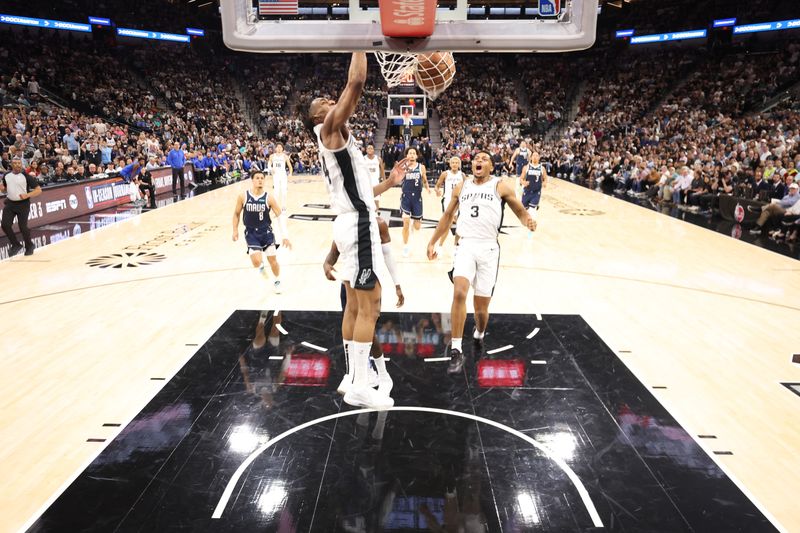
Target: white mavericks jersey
374 169
278 164
450 181
347 177
480 211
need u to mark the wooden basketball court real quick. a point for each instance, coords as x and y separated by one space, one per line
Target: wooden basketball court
96 325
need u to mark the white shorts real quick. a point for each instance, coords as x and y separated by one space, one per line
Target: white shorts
280 182
359 243
477 261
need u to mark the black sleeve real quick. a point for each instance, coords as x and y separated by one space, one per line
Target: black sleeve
30 180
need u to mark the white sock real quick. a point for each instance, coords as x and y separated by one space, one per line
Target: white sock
455 344
380 364
359 360
478 334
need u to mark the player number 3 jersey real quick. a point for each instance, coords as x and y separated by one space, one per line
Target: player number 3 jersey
480 211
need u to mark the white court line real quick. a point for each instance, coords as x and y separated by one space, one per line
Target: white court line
538 317
436 359
532 334
584 494
276 358
538 362
498 350
281 329
314 346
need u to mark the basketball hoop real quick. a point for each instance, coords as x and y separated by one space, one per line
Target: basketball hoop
433 72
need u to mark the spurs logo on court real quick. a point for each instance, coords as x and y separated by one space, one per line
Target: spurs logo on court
363 278
126 260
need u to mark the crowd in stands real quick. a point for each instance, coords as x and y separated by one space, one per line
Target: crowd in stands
670 126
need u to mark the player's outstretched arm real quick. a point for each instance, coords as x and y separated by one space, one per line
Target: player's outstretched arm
281 219
508 196
237 215
445 221
346 105
395 178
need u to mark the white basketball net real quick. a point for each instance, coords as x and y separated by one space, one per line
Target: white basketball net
398 67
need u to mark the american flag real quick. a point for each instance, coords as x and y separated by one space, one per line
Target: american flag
277 7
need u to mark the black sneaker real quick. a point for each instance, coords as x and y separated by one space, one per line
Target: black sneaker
14 250
754 208
456 362
755 231
29 251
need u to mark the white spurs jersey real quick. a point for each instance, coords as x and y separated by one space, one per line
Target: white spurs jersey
278 164
480 211
374 168
347 177
450 181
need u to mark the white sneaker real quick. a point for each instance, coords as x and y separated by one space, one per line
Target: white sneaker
372 377
366 397
385 384
277 285
344 386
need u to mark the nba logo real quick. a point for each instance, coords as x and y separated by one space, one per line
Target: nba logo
89 197
549 8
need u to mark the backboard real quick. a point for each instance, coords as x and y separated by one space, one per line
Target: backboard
360 25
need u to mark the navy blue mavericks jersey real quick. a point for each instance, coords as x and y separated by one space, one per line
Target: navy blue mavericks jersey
256 213
534 177
523 155
412 183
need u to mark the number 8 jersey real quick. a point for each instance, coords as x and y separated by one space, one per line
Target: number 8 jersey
480 211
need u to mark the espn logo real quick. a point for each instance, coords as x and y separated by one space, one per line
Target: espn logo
549 8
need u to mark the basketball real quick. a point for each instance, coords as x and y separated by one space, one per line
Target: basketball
435 72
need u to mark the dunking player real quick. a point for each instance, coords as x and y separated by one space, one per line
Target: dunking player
256 204
519 159
384 381
376 170
449 179
534 178
411 198
479 202
279 162
355 229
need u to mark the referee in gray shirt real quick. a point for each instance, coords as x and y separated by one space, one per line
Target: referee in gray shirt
19 188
